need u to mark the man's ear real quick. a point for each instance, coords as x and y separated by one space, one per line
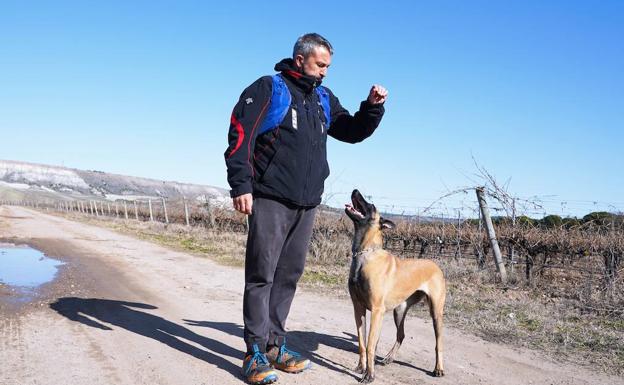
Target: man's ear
299 59
386 224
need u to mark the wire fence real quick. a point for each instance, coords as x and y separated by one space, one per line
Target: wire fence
579 261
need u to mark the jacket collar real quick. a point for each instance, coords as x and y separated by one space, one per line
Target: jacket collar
304 82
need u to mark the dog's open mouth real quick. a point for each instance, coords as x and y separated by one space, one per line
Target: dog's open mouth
356 208
353 210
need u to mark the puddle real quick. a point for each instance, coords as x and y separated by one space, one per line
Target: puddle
23 269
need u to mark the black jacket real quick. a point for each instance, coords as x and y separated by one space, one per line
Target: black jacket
289 163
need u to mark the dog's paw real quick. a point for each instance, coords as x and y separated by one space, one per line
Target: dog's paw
359 369
438 372
369 377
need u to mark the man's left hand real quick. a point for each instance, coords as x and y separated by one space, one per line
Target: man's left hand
377 95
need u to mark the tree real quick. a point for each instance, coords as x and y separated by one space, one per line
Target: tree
551 221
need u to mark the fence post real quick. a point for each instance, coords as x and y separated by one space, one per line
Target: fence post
165 209
511 253
149 202
125 210
116 210
485 212
458 251
136 211
186 213
211 220
109 210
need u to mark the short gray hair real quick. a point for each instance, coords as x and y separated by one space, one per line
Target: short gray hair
308 42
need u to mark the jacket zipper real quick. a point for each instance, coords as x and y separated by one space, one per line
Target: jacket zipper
310 134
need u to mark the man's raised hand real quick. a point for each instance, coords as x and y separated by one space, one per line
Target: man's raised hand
377 95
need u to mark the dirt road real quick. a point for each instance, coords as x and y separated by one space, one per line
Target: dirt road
125 311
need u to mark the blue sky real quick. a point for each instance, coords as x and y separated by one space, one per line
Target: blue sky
534 91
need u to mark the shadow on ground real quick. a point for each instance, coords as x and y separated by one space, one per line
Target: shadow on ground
97 313
92 312
308 342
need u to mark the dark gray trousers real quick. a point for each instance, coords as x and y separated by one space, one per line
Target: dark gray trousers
277 244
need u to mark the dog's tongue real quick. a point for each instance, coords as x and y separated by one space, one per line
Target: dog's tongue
353 210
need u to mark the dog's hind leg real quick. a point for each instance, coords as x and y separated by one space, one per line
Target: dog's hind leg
399 320
436 309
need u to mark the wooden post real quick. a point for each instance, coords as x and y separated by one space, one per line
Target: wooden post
109 211
165 209
186 213
458 251
149 202
116 209
136 211
512 252
211 221
485 212
125 210
97 214
91 207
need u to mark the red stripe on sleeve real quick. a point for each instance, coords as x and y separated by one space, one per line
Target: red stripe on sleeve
239 132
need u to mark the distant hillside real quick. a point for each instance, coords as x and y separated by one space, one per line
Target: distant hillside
28 181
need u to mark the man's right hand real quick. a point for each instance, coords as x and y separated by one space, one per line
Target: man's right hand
243 203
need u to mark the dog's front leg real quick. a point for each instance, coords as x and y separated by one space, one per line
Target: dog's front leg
373 337
360 322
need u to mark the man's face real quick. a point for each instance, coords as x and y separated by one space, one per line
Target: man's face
316 64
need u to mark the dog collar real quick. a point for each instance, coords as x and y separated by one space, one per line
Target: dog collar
365 251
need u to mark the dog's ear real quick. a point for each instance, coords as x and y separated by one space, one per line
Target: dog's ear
386 223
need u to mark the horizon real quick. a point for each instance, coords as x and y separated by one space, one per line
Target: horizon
531 92
494 205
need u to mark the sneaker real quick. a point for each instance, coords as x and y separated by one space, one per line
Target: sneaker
257 369
287 360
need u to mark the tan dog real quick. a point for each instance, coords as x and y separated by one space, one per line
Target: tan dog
379 281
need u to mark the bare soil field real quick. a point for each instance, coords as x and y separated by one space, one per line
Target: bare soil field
127 311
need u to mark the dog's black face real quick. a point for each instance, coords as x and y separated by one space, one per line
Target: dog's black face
363 213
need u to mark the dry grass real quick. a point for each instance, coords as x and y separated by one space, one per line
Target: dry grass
567 314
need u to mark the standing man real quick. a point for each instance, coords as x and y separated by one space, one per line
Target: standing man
277 164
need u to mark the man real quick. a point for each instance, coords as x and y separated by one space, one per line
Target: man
277 165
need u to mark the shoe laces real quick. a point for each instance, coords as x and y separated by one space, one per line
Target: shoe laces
258 357
284 350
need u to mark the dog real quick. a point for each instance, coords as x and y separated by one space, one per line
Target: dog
380 281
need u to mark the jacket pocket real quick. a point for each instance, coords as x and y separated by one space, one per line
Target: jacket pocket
271 164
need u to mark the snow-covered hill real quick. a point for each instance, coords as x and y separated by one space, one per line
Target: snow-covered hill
21 180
